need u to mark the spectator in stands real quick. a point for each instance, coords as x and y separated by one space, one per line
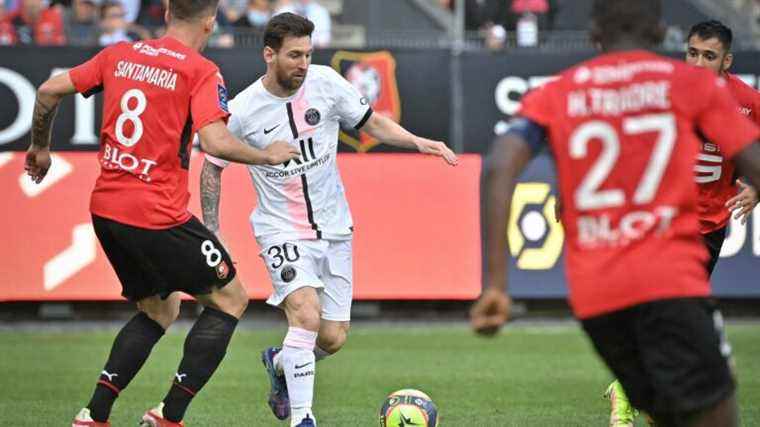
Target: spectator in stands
113 25
480 15
7 33
233 10
543 10
151 14
81 22
282 6
131 10
320 16
316 13
11 6
35 23
256 15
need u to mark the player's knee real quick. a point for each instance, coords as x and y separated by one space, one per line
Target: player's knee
236 300
306 316
163 314
332 339
303 309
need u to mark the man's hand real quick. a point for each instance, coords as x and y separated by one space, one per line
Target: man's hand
490 312
436 148
743 203
280 152
37 163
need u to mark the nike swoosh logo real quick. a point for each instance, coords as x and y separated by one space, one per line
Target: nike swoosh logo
268 131
303 366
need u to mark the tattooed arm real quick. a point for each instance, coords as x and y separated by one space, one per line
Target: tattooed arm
211 187
49 95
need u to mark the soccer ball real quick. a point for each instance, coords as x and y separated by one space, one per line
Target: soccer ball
407 408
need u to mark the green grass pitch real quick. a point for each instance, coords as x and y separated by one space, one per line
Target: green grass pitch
527 376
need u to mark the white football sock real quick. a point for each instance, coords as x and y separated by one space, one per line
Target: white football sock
319 354
298 363
277 360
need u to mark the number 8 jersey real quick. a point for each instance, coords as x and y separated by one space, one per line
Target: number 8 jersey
157 94
623 129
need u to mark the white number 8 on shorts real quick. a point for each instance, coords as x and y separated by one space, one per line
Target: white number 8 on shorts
212 254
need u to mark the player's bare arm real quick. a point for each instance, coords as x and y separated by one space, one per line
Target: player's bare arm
509 156
211 186
389 132
49 95
748 163
217 140
744 202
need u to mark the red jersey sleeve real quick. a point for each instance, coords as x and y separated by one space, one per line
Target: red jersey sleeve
88 77
208 100
756 107
721 121
536 105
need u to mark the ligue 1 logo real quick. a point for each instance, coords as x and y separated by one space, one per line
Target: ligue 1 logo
535 238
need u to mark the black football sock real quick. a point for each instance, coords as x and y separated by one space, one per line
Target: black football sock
205 347
131 348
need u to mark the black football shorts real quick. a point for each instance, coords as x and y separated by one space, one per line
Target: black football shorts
671 355
187 258
714 242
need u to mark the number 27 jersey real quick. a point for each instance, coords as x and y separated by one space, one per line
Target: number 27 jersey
157 94
623 131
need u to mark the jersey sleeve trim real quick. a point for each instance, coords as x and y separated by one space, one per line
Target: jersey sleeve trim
92 91
364 119
217 161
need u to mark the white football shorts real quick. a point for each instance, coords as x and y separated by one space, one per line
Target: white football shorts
325 265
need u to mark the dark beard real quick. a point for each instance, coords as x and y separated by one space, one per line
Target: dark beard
288 83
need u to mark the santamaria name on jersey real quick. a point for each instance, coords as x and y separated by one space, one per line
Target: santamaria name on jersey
166 79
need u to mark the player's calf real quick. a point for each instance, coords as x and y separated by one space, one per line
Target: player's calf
205 346
131 348
332 336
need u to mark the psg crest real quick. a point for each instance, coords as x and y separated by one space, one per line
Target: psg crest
374 75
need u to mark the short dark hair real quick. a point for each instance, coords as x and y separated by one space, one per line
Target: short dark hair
639 20
713 29
190 10
286 25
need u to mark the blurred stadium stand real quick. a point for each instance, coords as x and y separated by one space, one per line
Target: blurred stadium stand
357 24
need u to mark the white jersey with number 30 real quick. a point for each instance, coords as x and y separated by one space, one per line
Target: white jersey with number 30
303 198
